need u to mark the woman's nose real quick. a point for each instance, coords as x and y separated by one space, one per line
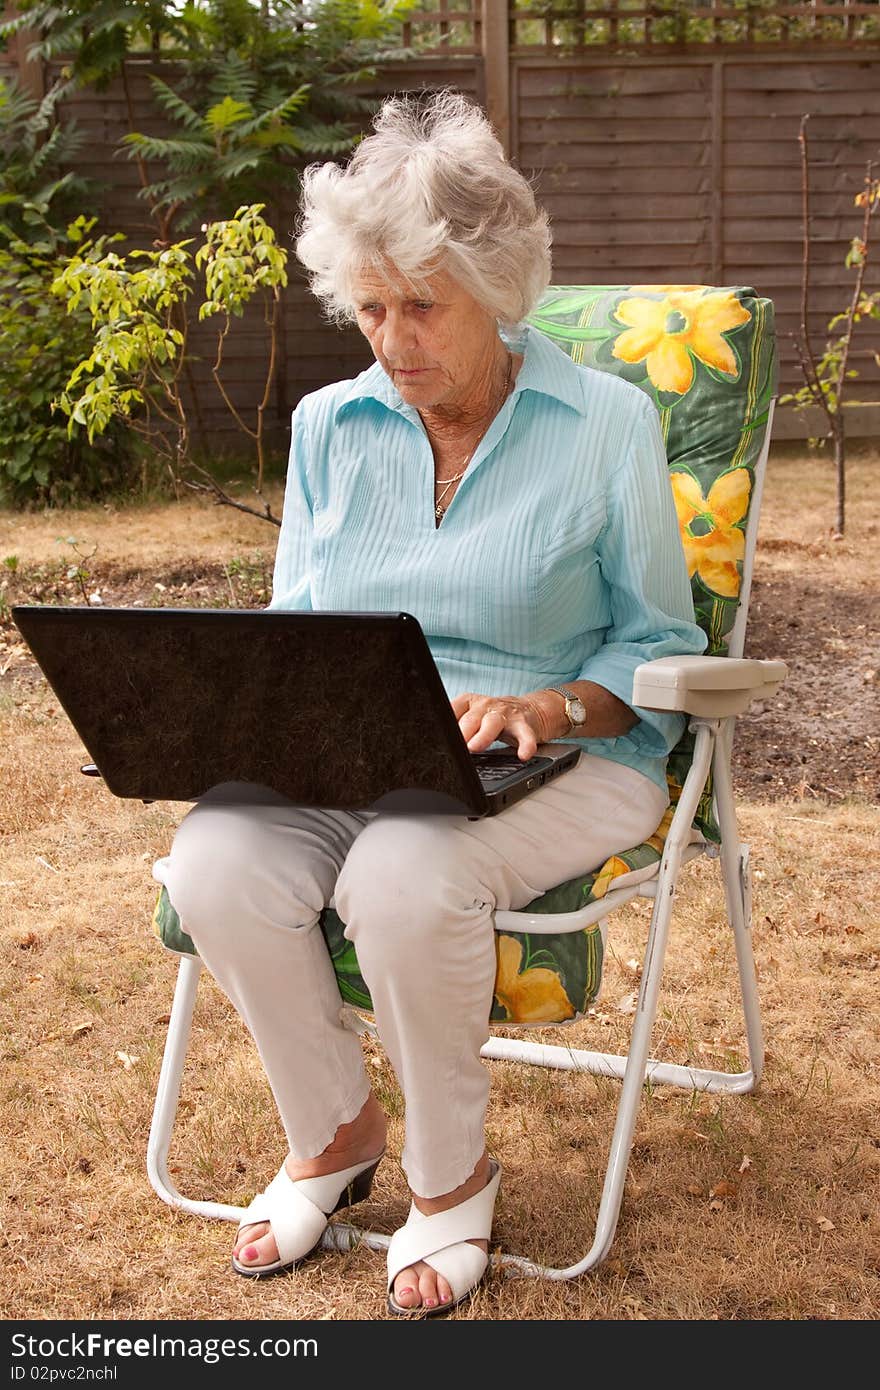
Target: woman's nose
398 336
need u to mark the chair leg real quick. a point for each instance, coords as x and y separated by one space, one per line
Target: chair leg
637 1067
168 1095
338 1236
737 875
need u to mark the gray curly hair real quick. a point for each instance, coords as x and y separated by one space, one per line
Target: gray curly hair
429 190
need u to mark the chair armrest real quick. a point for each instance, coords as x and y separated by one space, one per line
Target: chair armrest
714 686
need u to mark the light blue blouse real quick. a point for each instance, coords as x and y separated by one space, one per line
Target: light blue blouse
559 558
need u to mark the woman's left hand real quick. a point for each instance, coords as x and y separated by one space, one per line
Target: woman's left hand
523 721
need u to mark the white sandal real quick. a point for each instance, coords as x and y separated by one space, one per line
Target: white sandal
298 1212
441 1241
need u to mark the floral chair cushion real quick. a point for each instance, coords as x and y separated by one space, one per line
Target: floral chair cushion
707 358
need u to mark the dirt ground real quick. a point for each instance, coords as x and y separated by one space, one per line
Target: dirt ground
820 734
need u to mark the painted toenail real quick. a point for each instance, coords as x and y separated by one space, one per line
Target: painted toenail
430 1303
250 1252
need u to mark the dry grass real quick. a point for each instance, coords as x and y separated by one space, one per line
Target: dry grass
794 1231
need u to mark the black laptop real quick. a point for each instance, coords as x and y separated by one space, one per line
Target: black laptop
342 710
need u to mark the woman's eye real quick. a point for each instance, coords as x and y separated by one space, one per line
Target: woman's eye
423 305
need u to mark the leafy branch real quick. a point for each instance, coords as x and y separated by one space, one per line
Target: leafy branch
134 368
240 258
138 354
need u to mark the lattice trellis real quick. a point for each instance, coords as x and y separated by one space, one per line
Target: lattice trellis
445 26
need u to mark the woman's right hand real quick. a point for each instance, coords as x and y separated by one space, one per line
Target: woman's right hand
523 721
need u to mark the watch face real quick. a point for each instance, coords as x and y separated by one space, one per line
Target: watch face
578 712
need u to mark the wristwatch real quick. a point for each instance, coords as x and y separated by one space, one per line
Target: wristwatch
575 710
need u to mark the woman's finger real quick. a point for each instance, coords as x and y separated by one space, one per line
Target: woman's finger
486 719
518 731
462 703
491 723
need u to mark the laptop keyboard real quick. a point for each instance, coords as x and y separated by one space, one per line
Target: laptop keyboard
493 769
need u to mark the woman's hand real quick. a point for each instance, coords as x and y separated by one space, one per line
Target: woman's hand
523 721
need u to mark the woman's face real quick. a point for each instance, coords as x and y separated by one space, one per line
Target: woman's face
441 351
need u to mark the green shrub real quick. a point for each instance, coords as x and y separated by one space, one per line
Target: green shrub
42 344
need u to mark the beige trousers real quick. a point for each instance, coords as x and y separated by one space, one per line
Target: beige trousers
417 894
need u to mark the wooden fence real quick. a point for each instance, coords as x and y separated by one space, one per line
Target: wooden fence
662 138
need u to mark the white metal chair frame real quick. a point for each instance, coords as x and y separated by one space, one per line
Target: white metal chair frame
712 690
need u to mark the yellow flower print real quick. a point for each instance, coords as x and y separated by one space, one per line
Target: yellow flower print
712 539
672 331
536 995
658 839
611 869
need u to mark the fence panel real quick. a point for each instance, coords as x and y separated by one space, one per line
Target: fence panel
662 139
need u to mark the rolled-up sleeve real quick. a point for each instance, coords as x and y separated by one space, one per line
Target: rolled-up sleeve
643 565
291 580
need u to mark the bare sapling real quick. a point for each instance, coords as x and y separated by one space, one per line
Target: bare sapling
827 377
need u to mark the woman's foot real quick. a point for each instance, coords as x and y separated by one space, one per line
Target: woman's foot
419 1285
357 1142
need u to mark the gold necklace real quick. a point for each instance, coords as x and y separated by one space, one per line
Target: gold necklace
447 483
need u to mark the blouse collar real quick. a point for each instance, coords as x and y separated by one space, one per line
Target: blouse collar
546 369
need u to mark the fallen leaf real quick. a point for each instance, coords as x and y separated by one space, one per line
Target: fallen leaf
724 1189
627 1005
35 978
127 1059
82 1028
28 941
716 1205
746 1164
695 1190
824 1224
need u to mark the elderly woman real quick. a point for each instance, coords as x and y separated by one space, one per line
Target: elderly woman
518 505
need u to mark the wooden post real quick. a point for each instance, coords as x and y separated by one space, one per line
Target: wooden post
496 66
31 75
716 210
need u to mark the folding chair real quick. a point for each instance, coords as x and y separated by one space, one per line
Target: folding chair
707 358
